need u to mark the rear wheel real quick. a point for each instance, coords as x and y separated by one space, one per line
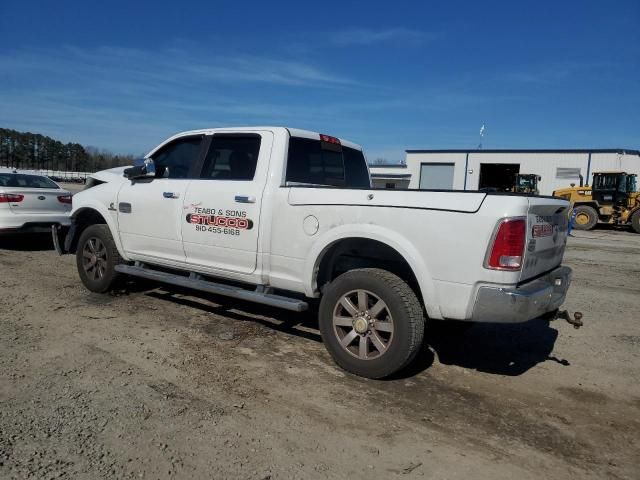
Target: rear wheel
371 322
635 221
586 217
96 258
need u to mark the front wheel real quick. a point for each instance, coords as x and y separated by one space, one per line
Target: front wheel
96 258
371 322
586 217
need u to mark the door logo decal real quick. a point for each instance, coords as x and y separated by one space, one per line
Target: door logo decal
218 221
227 222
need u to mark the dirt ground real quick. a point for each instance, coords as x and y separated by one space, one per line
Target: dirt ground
163 383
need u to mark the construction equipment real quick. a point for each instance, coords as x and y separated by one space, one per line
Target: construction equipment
526 183
613 198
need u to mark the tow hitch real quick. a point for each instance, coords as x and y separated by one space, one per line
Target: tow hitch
576 321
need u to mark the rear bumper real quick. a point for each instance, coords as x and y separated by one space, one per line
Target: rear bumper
32 227
517 304
32 222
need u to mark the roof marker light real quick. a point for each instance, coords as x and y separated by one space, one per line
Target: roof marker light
329 139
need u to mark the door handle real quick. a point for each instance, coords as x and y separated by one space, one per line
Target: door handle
245 199
170 195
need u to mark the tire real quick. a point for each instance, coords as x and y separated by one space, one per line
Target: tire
635 221
386 338
96 258
586 217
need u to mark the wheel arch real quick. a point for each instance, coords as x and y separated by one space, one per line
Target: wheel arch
590 203
390 251
87 215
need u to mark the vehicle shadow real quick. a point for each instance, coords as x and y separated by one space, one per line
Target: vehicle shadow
303 324
26 242
500 349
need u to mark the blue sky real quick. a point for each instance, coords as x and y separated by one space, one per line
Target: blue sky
388 75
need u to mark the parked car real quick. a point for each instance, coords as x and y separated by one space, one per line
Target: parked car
31 203
277 216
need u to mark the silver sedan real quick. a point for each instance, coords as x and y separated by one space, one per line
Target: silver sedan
31 203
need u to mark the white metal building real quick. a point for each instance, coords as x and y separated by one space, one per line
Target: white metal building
474 169
392 175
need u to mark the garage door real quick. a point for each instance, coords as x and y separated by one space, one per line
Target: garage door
438 176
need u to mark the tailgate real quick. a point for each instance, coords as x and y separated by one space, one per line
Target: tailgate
547 221
39 201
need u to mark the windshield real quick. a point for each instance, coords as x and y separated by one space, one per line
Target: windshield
605 182
632 184
20 180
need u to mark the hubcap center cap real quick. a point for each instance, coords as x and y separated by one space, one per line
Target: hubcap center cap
361 325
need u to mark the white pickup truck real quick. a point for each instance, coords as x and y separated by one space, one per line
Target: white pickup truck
279 216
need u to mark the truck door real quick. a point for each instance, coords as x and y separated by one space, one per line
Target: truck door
149 210
221 210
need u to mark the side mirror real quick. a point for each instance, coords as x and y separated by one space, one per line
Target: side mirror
145 169
539 178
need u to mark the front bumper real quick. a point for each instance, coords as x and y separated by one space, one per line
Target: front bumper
525 302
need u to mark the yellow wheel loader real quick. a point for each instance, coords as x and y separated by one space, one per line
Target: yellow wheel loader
613 198
526 183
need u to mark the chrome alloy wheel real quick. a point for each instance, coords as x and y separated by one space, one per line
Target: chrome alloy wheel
363 324
94 258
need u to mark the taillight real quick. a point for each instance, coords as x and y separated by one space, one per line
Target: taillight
508 245
64 199
10 198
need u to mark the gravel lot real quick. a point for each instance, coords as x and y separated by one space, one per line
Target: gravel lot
162 383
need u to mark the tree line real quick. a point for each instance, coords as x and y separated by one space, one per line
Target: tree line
26 150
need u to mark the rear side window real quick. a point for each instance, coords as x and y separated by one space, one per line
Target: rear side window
5 179
308 162
355 168
232 157
26 181
176 159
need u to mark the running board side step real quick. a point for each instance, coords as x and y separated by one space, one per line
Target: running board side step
196 282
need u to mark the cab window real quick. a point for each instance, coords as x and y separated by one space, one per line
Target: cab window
176 159
232 157
309 162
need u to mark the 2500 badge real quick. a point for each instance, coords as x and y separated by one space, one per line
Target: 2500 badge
219 223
